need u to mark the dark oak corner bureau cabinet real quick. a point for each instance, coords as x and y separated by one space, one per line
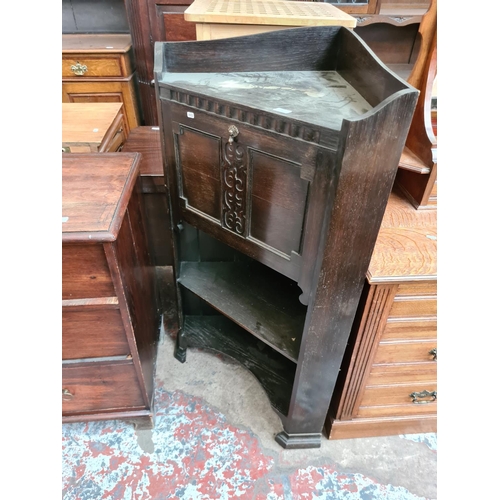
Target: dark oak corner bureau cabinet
280 149
110 323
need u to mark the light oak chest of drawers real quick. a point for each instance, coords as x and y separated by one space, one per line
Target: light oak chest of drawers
93 127
100 68
388 381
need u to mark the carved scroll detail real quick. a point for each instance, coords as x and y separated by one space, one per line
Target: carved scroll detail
234 188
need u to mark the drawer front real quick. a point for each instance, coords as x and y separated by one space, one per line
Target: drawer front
91 67
403 410
413 307
417 288
85 272
410 330
402 373
415 300
92 333
100 386
405 352
387 395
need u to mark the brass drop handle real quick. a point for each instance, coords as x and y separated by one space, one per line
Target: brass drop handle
67 395
233 132
434 354
79 69
423 394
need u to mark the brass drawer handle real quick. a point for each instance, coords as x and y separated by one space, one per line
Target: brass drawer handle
434 354
423 394
67 395
233 132
78 69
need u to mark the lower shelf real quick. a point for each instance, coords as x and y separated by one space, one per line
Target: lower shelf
263 302
275 372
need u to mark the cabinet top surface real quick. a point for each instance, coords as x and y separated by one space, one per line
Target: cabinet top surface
96 43
322 98
406 247
268 12
96 189
87 123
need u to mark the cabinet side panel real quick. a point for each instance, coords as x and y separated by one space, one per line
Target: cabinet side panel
137 275
368 159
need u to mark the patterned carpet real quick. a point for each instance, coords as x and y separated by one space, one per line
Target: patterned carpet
196 454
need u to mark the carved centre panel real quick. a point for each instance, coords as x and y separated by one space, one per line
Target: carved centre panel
234 188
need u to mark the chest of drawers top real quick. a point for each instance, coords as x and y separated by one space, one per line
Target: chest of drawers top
107 44
90 124
406 247
95 194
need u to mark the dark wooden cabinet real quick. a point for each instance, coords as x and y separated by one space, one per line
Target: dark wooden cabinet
155 21
280 151
110 322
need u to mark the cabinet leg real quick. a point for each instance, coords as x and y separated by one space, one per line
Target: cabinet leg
296 441
180 347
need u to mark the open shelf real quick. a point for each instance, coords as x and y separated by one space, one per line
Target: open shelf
255 297
274 372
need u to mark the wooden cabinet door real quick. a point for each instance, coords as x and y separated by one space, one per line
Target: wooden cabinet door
251 193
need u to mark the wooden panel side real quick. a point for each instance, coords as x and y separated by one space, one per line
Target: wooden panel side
136 286
368 158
